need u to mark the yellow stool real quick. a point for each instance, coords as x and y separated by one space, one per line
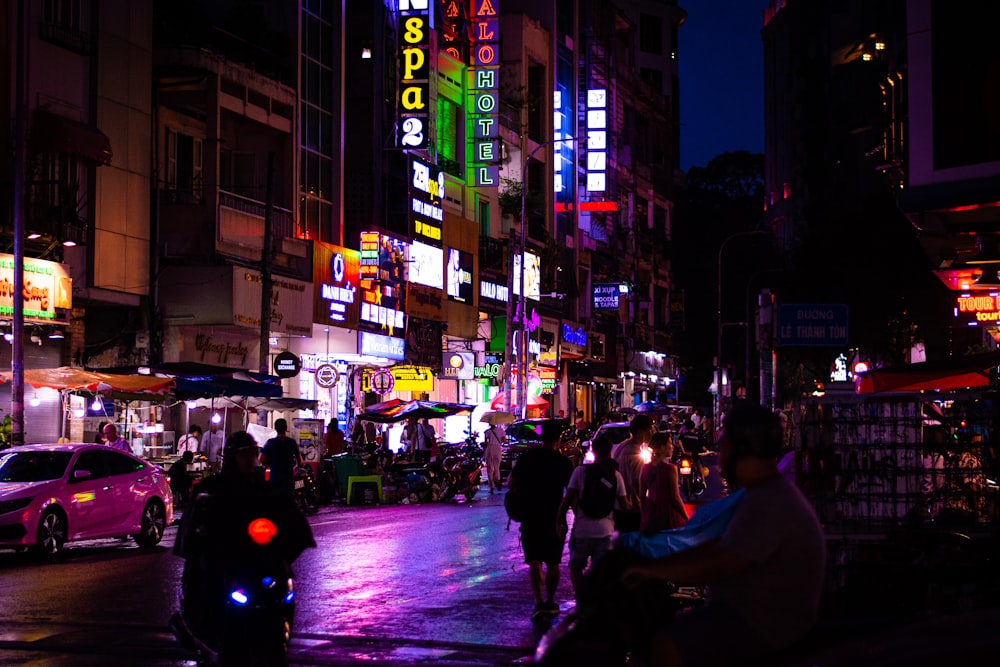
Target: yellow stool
364 479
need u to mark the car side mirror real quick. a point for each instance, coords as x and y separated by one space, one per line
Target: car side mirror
80 475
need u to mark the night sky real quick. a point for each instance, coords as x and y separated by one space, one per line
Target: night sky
721 62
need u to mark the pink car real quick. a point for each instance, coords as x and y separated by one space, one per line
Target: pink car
53 494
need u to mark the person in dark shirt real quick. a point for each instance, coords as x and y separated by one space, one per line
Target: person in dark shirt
334 439
180 481
281 455
542 473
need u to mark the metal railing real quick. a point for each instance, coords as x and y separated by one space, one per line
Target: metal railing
282 220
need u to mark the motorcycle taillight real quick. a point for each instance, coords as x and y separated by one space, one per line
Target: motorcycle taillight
685 467
262 531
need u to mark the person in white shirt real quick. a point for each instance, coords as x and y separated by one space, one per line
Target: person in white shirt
191 441
492 454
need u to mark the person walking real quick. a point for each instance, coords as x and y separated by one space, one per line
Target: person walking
593 490
541 474
281 454
659 488
180 481
493 440
628 454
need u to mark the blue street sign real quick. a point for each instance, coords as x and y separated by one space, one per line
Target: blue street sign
812 325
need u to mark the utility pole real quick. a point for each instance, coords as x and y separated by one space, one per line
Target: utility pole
265 270
17 326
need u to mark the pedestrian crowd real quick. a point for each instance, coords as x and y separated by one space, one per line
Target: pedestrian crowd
762 575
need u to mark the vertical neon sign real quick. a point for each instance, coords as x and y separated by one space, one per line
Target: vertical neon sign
484 112
597 140
414 68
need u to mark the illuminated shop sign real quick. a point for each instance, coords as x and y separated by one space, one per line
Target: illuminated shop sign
414 73
492 365
484 108
454 22
376 345
607 296
975 309
597 140
383 283
458 365
426 265
336 276
532 276
426 194
47 288
493 291
459 275
574 335
403 378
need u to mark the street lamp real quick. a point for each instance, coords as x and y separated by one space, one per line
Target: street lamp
718 316
522 353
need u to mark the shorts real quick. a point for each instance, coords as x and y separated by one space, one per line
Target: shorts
542 543
716 636
583 548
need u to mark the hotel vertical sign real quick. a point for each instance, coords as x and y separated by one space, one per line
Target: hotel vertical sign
484 112
413 104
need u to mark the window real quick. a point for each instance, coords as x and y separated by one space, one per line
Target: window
184 163
119 464
650 34
95 462
653 77
483 216
62 13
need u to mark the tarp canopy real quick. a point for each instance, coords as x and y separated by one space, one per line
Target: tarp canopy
195 380
193 369
973 370
394 411
534 401
208 387
77 379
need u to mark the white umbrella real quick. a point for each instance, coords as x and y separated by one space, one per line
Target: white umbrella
498 417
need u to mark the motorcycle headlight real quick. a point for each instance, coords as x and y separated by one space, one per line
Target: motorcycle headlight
239 596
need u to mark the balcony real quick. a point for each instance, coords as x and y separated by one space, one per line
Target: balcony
492 255
241 220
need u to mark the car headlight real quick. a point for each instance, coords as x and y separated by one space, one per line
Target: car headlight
14 505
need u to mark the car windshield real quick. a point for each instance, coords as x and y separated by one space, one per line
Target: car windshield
525 431
33 466
615 434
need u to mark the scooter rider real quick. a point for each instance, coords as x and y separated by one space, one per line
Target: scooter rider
213 531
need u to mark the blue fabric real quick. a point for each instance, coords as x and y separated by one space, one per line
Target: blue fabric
708 522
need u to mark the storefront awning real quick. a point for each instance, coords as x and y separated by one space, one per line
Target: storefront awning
55 134
76 379
972 370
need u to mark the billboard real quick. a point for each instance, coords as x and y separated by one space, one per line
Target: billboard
426 265
459 275
48 290
336 279
532 276
383 283
427 191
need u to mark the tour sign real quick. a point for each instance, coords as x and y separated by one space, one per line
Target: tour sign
327 375
287 365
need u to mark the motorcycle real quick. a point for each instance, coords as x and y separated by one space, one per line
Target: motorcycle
305 492
692 476
611 624
462 469
237 608
417 480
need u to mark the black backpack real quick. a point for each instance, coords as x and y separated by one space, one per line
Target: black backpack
600 489
516 503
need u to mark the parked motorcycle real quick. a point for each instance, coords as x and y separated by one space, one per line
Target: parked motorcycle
305 492
418 480
462 469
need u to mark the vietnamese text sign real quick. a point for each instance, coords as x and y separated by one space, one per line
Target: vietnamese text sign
812 325
377 345
47 287
607 296
414 73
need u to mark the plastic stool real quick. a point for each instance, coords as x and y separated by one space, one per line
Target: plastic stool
364 479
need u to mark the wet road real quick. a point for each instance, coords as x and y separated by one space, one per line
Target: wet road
441 583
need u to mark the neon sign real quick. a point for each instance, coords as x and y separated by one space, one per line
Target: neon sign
426 192
978 308
414 68
597 140
484 94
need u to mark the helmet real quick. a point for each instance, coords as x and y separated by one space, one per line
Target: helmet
238 441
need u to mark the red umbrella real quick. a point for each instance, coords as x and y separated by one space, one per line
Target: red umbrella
534 401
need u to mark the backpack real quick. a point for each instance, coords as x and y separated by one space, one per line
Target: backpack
600 489
515 501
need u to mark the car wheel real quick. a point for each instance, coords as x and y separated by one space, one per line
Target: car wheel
52 532
154 522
